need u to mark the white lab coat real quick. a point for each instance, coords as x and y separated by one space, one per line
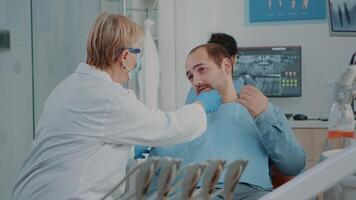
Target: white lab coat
85 136
149 75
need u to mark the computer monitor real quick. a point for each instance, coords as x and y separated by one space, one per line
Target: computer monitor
276 71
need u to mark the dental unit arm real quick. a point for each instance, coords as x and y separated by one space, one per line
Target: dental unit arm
341 117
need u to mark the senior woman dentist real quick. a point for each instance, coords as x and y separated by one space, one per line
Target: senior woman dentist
90 122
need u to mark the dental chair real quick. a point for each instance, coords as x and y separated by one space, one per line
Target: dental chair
278 178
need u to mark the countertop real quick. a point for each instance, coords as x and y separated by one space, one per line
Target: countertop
308 124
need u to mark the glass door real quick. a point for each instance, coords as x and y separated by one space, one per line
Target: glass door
15 92
60 29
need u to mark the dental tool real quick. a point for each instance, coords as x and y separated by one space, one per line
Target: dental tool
189 179
185 187
143 179
232 176
212 174
144 176
168 172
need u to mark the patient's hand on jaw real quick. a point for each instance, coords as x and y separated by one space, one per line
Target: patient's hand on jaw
254 100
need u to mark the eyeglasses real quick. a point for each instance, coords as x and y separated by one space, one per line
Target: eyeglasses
135 50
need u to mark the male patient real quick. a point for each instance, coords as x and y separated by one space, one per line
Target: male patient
246 126
230 44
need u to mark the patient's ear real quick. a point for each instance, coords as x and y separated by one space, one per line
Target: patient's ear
227 66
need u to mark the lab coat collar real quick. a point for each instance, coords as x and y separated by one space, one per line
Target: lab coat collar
84 68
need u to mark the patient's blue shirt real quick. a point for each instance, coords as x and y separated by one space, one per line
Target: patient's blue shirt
231 135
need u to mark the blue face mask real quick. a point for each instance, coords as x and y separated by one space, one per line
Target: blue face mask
134 72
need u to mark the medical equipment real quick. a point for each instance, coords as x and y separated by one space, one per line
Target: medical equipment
166 176
233 173
185 188
341 117
190 176
143 179
191 180
212 174
341 121
232 176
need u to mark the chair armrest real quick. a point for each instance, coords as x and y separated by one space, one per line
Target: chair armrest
278 178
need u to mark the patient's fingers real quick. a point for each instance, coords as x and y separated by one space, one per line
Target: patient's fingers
253 99
251 91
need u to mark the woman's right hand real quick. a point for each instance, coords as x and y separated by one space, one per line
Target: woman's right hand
210 100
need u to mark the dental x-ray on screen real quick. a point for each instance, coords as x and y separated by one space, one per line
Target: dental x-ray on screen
276 71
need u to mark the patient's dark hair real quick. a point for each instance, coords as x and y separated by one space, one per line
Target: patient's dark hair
216 52
225 40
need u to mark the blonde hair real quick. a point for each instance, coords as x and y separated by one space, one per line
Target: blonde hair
109 36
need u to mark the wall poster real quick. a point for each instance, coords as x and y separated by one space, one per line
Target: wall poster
283 10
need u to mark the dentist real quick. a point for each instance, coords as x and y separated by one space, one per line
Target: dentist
90 122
